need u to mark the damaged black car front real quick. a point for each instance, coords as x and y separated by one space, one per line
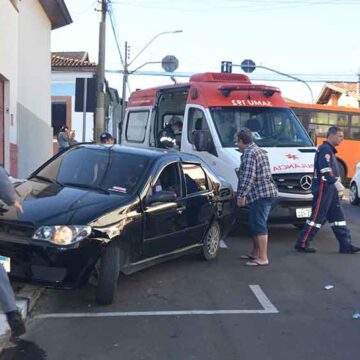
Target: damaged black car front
74 206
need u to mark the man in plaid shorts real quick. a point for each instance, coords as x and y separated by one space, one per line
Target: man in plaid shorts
257 190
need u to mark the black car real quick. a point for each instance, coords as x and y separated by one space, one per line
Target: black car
112 209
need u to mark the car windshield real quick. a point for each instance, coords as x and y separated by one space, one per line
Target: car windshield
271 127
97 169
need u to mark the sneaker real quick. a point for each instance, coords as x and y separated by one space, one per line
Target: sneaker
351 250
305 249
16 323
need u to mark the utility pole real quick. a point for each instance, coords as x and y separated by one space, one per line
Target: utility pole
100 97
125 78
126 71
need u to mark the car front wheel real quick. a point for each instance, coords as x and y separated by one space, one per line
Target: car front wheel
354 194
108 274
210 246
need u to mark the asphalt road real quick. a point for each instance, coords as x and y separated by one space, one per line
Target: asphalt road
289 315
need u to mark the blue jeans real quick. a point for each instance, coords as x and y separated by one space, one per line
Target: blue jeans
259 212
7 297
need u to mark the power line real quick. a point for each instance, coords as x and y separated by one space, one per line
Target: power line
113 26
253 77
248 7
117 41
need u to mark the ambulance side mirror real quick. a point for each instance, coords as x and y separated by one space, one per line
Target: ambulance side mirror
202 140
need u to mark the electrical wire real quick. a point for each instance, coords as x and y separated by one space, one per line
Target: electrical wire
243 6
113 26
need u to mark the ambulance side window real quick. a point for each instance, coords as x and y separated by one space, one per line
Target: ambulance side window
136 126
196 121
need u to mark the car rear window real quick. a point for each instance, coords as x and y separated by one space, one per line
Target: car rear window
113 171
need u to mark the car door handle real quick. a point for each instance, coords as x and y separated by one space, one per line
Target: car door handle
180 209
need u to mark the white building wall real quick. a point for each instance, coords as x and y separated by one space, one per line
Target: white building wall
34 59
348 101
34 132
9 19
69 78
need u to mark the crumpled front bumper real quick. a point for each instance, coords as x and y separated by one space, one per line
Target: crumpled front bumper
65 267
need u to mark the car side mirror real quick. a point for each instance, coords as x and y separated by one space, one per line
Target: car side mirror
161 197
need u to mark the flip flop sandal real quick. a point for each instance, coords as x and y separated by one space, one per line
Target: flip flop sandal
255 263
247 257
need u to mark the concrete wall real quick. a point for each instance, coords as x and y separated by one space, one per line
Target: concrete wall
33 135
34 130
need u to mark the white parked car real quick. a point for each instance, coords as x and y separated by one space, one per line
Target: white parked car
354 193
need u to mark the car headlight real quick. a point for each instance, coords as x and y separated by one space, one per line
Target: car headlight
62 234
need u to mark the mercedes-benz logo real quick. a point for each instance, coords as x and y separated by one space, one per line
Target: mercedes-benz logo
305 182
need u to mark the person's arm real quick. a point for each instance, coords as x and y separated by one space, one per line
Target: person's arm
7 192
247 176
327 173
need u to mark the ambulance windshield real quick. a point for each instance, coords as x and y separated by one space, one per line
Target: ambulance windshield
271 127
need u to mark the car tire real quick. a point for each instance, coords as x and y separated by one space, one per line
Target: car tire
210 245
108 274
354 194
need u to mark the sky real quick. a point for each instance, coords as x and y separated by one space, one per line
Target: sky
314 40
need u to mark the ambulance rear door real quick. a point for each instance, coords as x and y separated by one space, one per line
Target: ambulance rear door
137 129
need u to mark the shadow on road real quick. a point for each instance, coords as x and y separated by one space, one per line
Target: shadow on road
23 350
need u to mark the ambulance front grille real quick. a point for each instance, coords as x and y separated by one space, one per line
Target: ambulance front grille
294 183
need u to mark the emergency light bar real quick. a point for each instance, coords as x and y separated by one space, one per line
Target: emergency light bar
226 90
220 77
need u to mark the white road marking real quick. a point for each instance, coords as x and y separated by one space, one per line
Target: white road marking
267 308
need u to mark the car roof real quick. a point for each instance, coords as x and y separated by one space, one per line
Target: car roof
147 152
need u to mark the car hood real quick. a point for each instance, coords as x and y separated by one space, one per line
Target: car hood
52 204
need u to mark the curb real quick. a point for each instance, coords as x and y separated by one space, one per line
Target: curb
26 299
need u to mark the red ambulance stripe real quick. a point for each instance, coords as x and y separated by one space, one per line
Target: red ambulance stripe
316 212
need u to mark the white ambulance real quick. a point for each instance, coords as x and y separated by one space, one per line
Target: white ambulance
211 108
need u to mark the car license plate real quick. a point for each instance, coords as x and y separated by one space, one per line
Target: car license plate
5 262
303 213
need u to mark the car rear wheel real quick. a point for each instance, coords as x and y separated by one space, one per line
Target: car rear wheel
211 242
354 194
108 274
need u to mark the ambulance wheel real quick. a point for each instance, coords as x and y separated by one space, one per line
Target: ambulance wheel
354 194
210 246
108 274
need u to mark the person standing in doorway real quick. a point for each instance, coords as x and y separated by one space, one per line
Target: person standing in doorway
63 138
257 190
7 297
326 203
72 140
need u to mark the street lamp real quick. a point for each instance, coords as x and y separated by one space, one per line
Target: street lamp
249 66
291 77
126 72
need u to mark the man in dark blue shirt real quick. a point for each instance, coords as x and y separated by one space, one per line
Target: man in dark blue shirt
326 204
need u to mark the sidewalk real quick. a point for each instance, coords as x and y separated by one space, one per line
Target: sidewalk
26 297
